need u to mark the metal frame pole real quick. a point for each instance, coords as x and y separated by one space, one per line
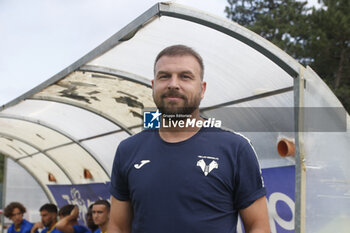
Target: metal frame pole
300 167
3 201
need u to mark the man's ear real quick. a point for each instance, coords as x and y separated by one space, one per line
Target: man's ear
203 88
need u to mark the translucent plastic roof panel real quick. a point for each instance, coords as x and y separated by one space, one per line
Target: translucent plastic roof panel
137 129
15 148
327 163
117 99
75 121
105 148
261 124
75 159
70 157
270 114
245 73
276 100
40 136
41 166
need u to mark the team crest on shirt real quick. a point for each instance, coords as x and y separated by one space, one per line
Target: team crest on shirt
207 168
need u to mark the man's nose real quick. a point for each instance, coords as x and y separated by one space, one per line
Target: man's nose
173 82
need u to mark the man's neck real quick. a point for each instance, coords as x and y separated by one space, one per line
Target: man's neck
52 225
18 225
176 133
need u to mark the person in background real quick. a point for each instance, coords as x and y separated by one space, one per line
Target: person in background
100 215
68 222
15 211
48 213
89 221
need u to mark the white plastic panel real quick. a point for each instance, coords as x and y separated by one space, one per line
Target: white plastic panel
265 144
327 166
259 120
40 136
317 93
75 159
270 114
233 70
40 165
282 100
105 148
75 121
14 148
137 129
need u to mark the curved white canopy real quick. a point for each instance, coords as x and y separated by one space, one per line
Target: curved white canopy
73 122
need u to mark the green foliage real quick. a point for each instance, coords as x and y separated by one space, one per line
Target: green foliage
329 43
315 37
279 21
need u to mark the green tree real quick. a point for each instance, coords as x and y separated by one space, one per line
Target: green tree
315 37
329 46
279 21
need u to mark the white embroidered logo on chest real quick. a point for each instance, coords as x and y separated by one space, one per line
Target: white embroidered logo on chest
143 162
207 168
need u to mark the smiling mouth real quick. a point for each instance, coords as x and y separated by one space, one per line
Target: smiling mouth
173 98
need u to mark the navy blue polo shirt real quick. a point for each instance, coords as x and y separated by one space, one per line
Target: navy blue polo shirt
197 185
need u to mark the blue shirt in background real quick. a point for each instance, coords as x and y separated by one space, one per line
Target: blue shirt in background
25 227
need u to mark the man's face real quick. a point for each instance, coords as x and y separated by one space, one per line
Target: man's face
47 218
100 214
177 85
16 216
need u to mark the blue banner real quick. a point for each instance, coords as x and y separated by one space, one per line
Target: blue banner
82 195
280 188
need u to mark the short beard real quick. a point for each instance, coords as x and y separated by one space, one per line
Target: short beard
48 224
178 113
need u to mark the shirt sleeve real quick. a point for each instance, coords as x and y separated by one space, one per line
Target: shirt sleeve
249 184
10 230
26 226
119 184
80 229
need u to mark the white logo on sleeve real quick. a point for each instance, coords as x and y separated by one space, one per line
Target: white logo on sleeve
207 168
143 162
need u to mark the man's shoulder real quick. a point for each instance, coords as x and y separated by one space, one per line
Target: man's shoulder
138 138
80 229
26 223
226 135
55 230
11 228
